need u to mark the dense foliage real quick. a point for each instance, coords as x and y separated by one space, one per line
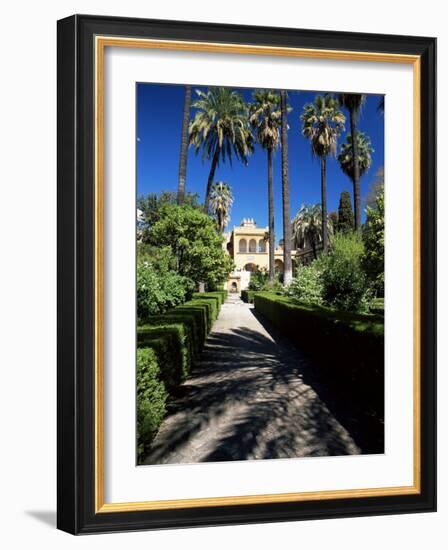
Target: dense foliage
151 398
159 287
194 242
307 230
150 207
346 220
343 278
373 259
307 286
258 279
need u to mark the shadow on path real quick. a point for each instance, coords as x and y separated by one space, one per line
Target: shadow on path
364 427
252 395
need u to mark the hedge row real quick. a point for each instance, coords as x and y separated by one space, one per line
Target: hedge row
377 306
220 295
166 348
347 348
248 296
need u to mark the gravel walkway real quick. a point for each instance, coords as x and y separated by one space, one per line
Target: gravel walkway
248 398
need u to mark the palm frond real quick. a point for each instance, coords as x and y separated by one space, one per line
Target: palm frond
365 150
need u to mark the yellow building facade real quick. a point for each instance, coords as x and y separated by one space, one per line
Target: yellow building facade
248 246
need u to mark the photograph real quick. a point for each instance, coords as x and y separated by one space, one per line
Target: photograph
260 236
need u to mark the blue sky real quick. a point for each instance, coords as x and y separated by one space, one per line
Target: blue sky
159 123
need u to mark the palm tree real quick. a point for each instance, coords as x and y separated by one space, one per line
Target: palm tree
347 158
265 118
184 146
322 124
221 200
353 103
221 128
287 263
307 227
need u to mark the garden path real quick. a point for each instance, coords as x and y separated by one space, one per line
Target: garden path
251 395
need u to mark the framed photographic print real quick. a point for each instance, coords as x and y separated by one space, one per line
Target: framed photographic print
246 274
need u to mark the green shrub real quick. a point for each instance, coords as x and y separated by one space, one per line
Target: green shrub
248 296
373 258
219 295
159 287
306 287
151 398
343 280
174 338
258 279
172 345
347 348
197 246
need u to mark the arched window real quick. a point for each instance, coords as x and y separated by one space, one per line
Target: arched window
261 245
243 245
252 245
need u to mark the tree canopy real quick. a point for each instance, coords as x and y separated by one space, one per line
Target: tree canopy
346 220
323 122
198 248
150 209
221 200
365 151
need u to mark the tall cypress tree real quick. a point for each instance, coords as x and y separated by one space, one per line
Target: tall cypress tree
346 221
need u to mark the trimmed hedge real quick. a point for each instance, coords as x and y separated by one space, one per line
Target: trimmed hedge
348 348
377 306
248 296
221 295
151 397
174 339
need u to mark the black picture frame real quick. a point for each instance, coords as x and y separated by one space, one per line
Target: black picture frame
76 255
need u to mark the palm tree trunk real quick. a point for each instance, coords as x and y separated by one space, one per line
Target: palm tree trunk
184 147
271 218
287 273
323 174
210 179
220 222
356 182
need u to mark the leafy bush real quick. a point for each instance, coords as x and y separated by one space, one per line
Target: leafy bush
258 279
344 283
174 339
373 258
151 206
151 398
159 287
194 242
347 351
306 286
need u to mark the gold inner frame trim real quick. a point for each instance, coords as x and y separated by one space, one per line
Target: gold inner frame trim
101 42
